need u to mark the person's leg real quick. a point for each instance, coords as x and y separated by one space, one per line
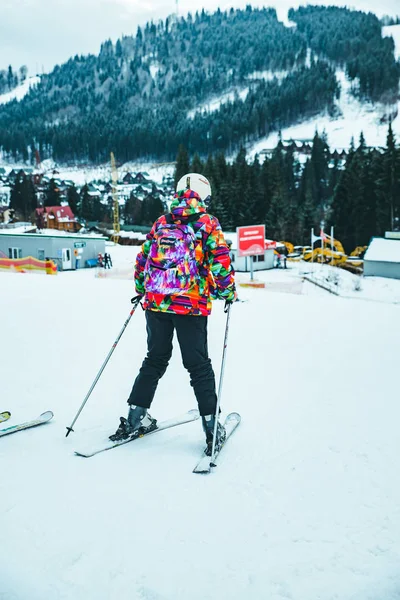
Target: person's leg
192 337
160 330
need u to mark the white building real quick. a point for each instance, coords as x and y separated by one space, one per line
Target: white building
261 262
382 258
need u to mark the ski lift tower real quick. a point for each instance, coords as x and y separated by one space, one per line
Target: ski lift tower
114 177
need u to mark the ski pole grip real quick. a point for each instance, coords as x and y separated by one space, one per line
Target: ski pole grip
136 300
228 304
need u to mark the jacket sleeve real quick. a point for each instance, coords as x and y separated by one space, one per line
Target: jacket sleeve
141 261
220 263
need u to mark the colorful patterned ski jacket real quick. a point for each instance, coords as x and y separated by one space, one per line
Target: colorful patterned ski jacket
216 274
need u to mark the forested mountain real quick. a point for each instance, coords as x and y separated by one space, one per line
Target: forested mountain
135 98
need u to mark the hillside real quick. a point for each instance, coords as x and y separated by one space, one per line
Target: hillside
141 96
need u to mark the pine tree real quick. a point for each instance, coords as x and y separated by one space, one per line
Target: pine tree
342 213
280 195
241 190
389 187
222 207
73 199
133 212
23 197
367 222
16 203
86 204
29 199
182 164
152 209
266 190
308 214
320 157
52 194
196 166
10 78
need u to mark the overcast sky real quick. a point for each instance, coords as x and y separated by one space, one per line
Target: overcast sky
43 33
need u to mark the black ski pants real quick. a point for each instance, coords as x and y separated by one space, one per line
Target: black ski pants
191 332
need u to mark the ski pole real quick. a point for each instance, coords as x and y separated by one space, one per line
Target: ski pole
135 301
227 309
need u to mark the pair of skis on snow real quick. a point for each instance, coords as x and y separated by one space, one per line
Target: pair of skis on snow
203 466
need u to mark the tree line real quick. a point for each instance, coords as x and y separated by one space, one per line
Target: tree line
9 79
360 198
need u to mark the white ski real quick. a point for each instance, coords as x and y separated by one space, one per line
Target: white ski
191 415
231 423
43 418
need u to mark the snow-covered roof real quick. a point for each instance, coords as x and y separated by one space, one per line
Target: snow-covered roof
63 213
10 230
51 233
383 250
135 235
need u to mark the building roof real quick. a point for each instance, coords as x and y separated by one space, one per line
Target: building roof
382 250
53 233
63 213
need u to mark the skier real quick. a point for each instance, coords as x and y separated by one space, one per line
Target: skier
183 264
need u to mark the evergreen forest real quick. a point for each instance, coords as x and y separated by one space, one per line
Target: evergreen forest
148 93
360 198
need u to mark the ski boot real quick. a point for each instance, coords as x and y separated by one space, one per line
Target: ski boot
139 421
208 426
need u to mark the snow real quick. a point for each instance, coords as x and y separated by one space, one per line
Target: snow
20 91
268 75
383 250
154 69
86 174
214 104
23 231
355 117
304 502
394 32
28 227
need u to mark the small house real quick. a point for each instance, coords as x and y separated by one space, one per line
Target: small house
382 258
57 217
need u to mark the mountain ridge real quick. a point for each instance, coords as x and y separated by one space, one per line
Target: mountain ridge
136 96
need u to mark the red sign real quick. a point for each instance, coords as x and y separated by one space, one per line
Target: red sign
250 240
270 245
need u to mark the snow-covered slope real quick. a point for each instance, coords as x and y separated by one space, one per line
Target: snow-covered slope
353 117
303 505
20 91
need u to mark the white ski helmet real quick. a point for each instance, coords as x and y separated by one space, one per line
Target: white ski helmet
196 182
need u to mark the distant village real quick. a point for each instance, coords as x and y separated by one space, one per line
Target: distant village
135 187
